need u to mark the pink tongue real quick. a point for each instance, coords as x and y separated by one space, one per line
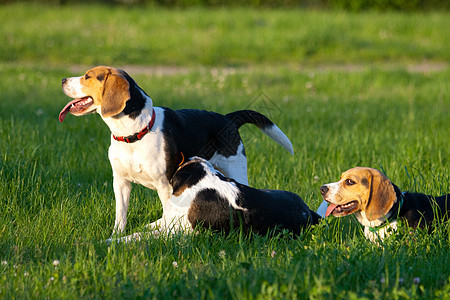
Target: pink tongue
66 109
330 209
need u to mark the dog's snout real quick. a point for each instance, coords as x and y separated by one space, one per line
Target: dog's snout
323 190
63 81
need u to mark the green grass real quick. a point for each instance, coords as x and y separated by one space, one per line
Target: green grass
337 86
114 35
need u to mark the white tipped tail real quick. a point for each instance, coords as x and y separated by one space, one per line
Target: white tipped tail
242 117
278 136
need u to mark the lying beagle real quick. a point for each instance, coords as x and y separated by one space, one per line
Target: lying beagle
378 203
146 141
202 196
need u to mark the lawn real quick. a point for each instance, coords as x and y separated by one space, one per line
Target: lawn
348 90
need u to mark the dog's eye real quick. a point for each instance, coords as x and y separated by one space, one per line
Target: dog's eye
86 77
349 182
100 77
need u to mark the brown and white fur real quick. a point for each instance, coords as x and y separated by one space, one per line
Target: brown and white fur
378 204
202 196
152 160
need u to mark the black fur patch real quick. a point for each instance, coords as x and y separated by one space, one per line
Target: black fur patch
197 133
134 106
420 210
268 209
210 210
242 117
188 176
365 182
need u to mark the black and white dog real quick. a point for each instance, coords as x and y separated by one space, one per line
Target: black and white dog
146 141
202 196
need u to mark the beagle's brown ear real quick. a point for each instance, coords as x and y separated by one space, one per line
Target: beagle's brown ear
382 196
116 92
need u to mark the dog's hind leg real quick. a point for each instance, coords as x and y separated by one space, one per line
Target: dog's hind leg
237 172
234 167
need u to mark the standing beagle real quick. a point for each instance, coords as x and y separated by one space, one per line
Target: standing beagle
202 196
146 141
378 204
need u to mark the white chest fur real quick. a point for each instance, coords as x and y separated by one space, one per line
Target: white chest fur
141 162
380 234
138 162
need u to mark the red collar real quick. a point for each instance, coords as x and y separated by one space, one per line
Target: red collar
137 136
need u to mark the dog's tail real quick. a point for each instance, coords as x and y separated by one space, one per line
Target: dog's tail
242 117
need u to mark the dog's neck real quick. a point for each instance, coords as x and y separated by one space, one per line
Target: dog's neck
136 115
391 215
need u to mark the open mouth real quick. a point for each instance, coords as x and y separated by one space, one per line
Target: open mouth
78 107
341 210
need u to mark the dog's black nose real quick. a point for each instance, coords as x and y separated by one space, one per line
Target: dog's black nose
323 189
64 80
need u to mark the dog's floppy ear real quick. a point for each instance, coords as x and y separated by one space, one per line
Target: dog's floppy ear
381 197
116 92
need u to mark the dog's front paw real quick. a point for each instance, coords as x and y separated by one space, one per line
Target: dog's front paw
135 237
115 237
